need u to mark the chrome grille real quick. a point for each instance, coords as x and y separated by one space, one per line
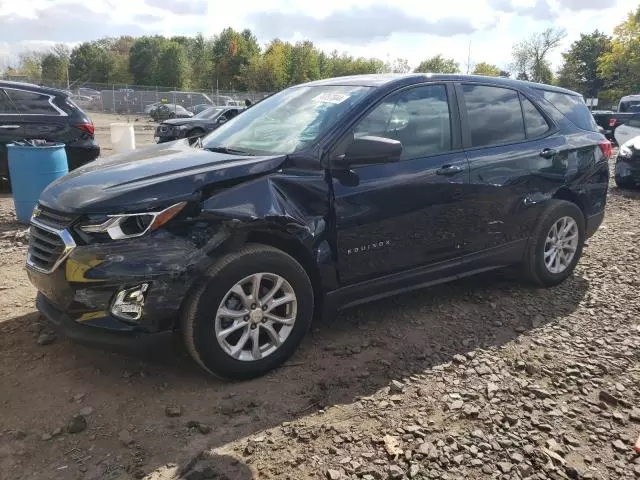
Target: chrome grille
48 247
53 218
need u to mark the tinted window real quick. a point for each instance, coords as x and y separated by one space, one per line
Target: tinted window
534 122
31 103
634 121
494 113
419 118
6 107
574 108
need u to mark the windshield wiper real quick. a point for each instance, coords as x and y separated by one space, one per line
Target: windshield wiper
227 150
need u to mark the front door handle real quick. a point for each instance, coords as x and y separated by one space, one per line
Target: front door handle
548 152
10 127
449 170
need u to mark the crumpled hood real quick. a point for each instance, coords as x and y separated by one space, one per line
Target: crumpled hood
150 177
181 121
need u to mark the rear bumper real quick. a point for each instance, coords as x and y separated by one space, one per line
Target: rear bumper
81 155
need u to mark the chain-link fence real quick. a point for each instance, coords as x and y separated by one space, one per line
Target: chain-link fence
140 99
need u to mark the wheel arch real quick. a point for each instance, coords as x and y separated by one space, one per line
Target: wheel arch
569 195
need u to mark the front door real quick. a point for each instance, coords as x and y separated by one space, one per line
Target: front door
396 216
10 130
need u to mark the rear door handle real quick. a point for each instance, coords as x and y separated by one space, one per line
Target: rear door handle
548 153
449 170
10 127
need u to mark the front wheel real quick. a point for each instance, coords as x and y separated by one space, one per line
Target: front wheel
250 314
556 244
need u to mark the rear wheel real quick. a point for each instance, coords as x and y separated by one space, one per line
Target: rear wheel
622 183
250 314
556 244
194 134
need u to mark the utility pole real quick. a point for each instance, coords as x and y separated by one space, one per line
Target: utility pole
469 58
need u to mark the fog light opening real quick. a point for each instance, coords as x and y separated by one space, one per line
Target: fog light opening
129 303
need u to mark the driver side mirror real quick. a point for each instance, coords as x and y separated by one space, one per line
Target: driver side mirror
368 150
222 120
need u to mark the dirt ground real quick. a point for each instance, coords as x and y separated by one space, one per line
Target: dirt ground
482 378
144 129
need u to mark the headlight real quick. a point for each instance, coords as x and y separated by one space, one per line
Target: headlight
133 224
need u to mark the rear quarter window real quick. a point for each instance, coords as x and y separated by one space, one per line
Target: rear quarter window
572 107
32 103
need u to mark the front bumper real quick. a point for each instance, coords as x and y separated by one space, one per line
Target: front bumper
627 170
82 289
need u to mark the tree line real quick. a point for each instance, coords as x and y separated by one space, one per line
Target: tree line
595 65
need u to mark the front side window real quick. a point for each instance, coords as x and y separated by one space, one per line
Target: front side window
31 103
534 122
287 121
494 114
418 118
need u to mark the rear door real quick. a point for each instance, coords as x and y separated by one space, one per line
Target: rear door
41 118
10 130
504 135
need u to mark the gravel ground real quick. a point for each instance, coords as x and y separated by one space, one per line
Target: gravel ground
483 378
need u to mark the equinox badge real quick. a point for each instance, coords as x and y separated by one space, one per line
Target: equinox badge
368 247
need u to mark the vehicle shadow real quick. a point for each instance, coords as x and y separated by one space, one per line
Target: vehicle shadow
625 192
344 358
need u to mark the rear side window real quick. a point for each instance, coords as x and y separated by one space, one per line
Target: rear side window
6 107
31 103
534 122
494 114
572 107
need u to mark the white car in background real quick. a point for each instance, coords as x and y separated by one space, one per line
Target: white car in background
628 130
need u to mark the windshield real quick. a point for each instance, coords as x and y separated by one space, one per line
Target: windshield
629 106
287 121
209 112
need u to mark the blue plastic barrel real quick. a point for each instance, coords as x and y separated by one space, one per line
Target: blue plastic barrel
31 169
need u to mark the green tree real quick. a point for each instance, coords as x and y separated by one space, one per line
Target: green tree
30 65
438 64
269 72
232 52
580 68
90 62
173 66
399 65
484 68
143 59
619 68
530 56
304 63
200 61
54 69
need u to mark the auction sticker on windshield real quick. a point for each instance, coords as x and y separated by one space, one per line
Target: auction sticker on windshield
329 97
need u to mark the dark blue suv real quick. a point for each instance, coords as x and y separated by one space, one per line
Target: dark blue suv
323 196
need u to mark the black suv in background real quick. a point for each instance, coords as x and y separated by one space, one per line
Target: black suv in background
31 112
322 196
195 127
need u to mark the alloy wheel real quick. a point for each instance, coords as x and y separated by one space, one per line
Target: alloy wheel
561 245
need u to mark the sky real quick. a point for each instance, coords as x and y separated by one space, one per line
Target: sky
385 29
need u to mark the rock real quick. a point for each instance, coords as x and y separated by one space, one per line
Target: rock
423 392
414 470
392 445
554 446
86 411
492 388
333 474
456 405
396 387
569 440
173 411
620 387
429 450
46 436
539 392
395 472
47 339
634 415
458 459
620 446
204 429
125 438
459 358
77 424
516 458
529 450
607 398
505 467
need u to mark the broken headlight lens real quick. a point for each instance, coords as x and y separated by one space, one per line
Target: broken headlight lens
133 225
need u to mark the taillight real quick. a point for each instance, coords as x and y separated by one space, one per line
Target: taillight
86 127
607 149
612 122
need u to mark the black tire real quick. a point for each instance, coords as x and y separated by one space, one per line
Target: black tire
535 269
626 184
199 315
